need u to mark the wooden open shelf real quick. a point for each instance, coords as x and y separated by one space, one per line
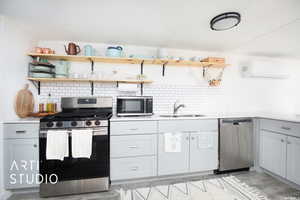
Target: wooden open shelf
129 60
88 80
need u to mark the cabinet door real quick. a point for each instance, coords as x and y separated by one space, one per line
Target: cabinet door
21 158
173 162
293 159
203 151
273 152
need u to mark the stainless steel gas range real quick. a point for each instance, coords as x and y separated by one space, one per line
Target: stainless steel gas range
77 175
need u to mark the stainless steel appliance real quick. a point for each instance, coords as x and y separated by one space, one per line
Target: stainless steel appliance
78 175
235 144
134 106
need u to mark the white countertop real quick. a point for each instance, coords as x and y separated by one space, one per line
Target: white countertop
291 118
283 117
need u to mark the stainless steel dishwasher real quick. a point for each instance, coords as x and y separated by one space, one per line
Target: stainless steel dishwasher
235 144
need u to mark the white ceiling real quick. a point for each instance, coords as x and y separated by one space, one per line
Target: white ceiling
268 27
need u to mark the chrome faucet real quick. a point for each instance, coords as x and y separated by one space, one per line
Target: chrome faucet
176 107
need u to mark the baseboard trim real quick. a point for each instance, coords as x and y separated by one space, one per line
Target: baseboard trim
161 178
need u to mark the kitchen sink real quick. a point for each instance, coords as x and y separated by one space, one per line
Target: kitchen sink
183 115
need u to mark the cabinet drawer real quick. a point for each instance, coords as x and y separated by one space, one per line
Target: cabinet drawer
188 125
133 127
130 168
132 145
18 131
289 128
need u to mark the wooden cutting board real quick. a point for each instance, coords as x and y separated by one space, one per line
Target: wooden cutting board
24 102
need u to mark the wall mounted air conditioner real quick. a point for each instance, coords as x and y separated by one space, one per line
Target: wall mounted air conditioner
265 69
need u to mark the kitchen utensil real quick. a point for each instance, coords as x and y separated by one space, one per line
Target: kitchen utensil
73 49
24 102
41 75
38 50
46 50
62 68
114 51
89 50
39 68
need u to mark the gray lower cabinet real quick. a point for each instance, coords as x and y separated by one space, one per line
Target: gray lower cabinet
21 163
199 147
273 152
203 151
132 167
280 148
133 150
173 162
21 155
293 159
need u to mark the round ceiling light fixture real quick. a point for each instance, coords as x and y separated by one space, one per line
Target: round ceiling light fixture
225 21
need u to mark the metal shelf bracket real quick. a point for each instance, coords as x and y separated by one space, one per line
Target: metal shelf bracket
164 68
37 85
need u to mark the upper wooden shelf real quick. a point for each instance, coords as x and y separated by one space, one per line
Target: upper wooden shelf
129 60
88 80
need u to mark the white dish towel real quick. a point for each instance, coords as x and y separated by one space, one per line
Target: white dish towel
57 146
173 142
82 143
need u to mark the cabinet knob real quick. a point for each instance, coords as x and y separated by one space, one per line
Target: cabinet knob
20 132
288 142
35 145
282 140
134 168
187 138
285 128
193 138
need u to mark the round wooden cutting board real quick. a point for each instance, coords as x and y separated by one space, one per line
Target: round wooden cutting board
24 102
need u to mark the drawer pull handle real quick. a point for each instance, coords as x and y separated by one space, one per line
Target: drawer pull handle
133 129
285 128
20 132
134 168
132 147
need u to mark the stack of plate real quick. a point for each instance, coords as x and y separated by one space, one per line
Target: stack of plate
41 70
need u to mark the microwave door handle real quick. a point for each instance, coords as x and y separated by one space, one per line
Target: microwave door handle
145 105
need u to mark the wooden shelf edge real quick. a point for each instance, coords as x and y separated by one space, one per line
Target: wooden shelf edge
87 80
129 60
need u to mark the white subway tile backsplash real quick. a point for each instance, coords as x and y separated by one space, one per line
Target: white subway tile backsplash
200 98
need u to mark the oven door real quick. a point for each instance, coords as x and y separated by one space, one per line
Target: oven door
77 168
130 106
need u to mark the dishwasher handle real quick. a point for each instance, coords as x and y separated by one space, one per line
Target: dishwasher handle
236 121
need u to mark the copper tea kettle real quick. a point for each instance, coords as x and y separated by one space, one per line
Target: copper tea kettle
73 49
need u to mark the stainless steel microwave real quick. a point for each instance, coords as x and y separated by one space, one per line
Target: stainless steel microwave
134 106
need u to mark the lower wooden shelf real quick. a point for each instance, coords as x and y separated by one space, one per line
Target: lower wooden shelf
88 80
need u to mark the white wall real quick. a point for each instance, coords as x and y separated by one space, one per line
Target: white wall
235 95
15 41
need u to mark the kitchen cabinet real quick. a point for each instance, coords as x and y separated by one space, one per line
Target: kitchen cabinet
21 163
280 148
21 155
199 146
273 152
203 151
293 159
173 162
133 149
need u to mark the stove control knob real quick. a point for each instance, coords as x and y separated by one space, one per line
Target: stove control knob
50 124
88 123
74 123
59 124
97 122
